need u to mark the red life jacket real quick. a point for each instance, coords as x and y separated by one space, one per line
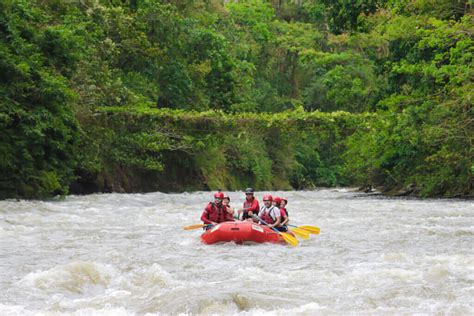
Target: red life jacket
283 212
216 213
267 215
248 204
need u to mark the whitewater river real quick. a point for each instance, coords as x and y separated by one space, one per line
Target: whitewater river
127 254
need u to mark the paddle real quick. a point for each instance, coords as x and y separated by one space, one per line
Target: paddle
299 232
287 237
311 229
195 226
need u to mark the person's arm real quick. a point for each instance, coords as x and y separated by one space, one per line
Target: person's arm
229 214
277 222
254 209
229 210
284 217
277 214
205 215
244 209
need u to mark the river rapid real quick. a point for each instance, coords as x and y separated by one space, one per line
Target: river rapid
127 254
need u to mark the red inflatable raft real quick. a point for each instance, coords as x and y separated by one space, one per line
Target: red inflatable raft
240 232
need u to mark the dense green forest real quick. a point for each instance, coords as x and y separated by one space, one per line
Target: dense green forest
142 95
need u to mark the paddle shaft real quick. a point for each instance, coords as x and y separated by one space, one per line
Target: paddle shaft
197 226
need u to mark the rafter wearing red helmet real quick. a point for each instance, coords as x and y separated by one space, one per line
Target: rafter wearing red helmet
280 203
269 213
216 212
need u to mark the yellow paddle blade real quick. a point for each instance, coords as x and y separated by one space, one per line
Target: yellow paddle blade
194 226
289 239
312 229
300 233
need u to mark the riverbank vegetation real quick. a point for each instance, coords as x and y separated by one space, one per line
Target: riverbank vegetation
141 95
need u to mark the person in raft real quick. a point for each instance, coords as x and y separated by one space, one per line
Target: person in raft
285 217
269 213
230 210
216 212
251 205
278 201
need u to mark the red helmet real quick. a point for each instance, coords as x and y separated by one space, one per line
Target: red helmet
226 197
284 199
277 199
219 195
267 197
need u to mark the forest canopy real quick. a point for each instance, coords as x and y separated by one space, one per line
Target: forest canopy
142 95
